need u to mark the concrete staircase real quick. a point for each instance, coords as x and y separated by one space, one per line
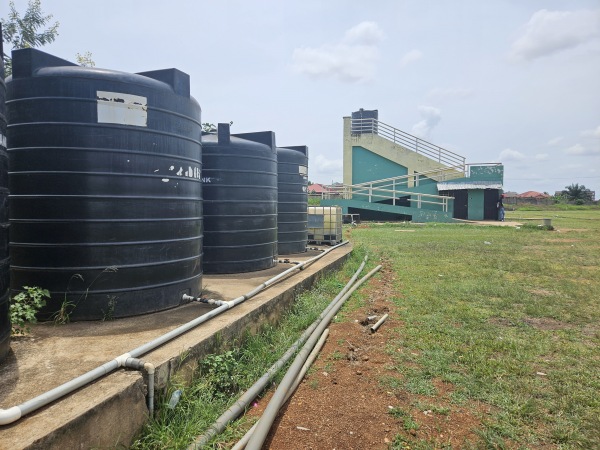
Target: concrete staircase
387 170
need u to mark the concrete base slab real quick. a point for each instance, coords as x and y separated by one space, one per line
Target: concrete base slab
112 410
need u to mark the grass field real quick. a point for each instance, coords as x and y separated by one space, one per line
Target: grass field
509 317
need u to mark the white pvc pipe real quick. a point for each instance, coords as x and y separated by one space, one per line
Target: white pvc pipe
14 413
311 358
379 323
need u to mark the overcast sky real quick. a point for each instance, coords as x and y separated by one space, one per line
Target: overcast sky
509 81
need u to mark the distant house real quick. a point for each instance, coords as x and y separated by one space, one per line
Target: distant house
533 195
316 188
531 198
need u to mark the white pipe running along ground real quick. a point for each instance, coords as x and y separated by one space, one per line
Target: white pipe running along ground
311 358
14 413
246 398
264 425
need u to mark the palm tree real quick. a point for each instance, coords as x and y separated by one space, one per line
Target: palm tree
576 192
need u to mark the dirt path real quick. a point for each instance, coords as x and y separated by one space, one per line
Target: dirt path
342 403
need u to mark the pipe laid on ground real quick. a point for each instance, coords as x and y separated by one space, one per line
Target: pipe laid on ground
14 413
244 400
311 358
379 323
264 425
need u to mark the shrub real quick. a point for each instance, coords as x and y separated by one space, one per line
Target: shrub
24 306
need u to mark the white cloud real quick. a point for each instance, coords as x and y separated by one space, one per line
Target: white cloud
365 33
580 150
351 60
326 164
592 133
555 141
541 156
325 170
411 57
431 117
449 93
508 154
549 32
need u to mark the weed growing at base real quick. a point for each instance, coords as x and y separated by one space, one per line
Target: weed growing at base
24 306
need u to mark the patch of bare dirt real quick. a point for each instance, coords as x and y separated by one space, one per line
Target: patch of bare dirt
545 323
502 322
341 404
541 323
541 292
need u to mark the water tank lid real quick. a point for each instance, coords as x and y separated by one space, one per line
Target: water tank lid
27 60
300 148
223 133
366 114
262 137
178 80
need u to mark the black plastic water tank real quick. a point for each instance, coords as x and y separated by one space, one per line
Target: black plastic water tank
292 199
365 121
106 195
4 260
240 201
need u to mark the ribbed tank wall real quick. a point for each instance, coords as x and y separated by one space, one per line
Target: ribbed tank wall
106 196
240 201
292 199
4 260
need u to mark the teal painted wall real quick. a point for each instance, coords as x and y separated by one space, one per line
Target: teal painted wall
475 204
367 166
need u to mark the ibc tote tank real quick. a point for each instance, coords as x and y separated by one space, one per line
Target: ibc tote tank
240 201
325 224
4 260
106 203
292 203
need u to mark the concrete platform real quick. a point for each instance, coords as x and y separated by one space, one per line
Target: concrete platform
110 411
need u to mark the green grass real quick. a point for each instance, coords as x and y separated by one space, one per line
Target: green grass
555 207
509 316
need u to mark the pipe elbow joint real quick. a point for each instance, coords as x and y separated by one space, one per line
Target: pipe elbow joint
149 368
10 415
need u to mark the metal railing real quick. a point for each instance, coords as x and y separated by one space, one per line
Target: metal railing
441 174
406 140
381 192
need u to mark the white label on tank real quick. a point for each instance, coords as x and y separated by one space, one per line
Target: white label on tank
303 170
123 109
2 140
